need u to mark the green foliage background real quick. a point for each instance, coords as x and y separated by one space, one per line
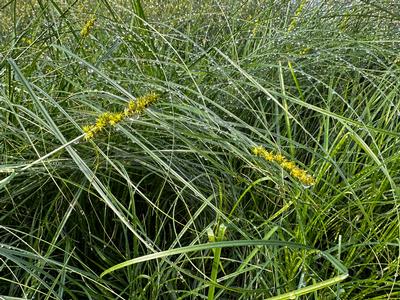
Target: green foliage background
317 81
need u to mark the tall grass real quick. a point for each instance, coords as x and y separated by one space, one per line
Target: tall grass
172 203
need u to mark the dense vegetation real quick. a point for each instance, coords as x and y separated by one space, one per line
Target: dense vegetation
261 158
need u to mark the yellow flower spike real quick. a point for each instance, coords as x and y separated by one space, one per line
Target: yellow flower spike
145 101
112 122
101 123
86 128
268 156
305 51
279 158
119 116
140 105
112 119
257 150
89 135
286 164
296 172
260 151
115 118
89 131
27 40
131 107
87 27
307 179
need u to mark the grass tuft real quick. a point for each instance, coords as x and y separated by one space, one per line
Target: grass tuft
174 199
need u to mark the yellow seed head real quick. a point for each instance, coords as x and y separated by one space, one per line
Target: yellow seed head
115 118
296 172
100 124
27 40
286 164
279 158
305 51
112 119
131 107
87 27
257 150
260 151
89 131
268 156
86 128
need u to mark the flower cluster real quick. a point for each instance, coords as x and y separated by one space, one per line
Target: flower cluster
111 119
305 51
27 41
286 164
87 27
297 13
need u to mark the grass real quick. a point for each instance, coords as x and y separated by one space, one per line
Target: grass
172 203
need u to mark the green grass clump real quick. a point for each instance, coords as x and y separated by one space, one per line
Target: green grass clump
171 200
